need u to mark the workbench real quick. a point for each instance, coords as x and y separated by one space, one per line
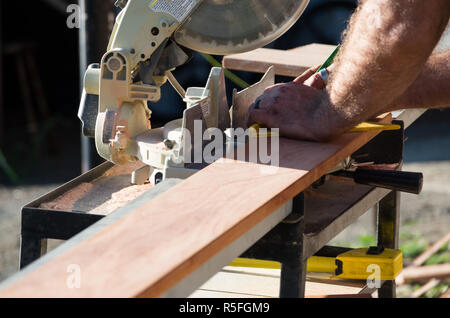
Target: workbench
168 240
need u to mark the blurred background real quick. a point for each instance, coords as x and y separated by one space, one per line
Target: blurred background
41 145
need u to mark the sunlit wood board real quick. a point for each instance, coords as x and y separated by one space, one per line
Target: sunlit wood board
240 282
290 63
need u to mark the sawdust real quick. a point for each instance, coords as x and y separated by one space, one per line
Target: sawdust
122 170
109 192
121 198
66 201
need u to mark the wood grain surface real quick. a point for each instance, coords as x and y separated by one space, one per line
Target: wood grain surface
290 63
257 282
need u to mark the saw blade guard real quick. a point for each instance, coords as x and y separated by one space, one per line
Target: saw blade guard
223 27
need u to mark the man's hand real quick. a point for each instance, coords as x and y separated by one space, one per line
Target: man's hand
293 108
288 107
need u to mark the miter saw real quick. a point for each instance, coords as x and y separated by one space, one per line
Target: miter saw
149 40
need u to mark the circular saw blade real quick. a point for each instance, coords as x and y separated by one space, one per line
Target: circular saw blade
224 27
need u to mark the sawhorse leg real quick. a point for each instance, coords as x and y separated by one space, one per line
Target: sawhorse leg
388 234
284 244
40 225
293 267
32 247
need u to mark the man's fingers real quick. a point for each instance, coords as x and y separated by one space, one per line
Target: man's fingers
311 79
316 81
259 116
307 74
304 76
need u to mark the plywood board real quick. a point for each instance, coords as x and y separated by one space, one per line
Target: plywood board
257 282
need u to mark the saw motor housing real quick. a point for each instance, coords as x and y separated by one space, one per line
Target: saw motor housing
140 56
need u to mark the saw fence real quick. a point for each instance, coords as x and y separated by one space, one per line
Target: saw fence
168 240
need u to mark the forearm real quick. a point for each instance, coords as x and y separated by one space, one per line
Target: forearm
431 89
385 49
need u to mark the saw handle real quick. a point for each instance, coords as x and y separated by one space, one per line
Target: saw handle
403 181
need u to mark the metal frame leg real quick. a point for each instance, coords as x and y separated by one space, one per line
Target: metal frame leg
293 279
38 225
388 234
284 244
293 267
32 247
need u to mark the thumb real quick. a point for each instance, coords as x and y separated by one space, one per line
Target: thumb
316 82
259 116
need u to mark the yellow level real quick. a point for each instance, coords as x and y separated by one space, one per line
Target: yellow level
354 264
255 132
369 126
357 264
365 126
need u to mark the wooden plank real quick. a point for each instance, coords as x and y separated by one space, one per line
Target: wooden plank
219 294
290 63
422 290
343 296
228 253
445 295
324 278
418 274
258 284
270 272
422 258
151 249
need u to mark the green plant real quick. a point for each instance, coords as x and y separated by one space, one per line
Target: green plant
367 240
413 248
436 291
442 258
13 177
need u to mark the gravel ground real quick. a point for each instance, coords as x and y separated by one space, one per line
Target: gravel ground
13 198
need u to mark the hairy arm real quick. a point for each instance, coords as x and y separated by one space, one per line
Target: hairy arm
382 64
385 49
431 89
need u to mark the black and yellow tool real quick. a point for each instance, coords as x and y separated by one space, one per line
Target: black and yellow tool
360 264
